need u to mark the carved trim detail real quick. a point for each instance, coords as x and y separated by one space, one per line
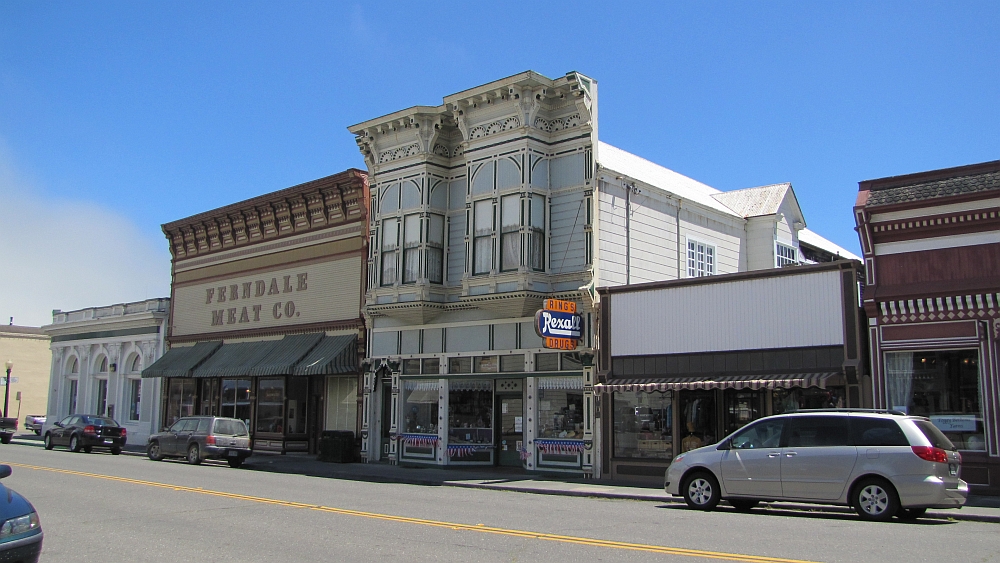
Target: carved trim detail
398 153
498 126
559 123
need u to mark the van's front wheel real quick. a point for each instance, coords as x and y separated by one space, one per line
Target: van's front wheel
701 491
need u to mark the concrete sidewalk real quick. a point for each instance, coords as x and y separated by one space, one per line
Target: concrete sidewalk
977 509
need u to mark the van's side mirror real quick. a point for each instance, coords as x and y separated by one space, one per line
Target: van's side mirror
5 471
726 444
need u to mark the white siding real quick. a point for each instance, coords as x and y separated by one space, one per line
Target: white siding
760 243
778 312
611 235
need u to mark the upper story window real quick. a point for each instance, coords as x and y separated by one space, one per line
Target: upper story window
510 232
435 248
536 233
482 246
390 250
785 255
136 364
411 248
701 259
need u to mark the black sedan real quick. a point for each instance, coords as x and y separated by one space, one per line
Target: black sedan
85 432
21 532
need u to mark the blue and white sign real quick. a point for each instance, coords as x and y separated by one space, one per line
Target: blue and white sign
556 324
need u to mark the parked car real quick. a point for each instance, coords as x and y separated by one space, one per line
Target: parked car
86 432
881 463
8 427
34 422
198 438
21 531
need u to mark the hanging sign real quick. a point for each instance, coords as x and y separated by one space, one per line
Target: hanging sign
559 325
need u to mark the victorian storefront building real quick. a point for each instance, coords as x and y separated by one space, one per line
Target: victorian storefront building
931 244
265 320
489 204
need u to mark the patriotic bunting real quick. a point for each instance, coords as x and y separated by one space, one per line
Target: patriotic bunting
464 451
419 440
561 447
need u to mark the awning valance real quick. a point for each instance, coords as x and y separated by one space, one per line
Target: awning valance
742 381
334 355
178 362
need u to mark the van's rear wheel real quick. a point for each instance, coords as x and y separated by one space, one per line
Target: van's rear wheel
701 491
910 513
235 462
743 505
875 499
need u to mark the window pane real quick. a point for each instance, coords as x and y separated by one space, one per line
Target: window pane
876 432
560 414
537 219
483 255
431 365
435 230
420 406
817 431
470 412
460 365
513 362
643 425
134 397
943 386
411 231
510 250
484 217
271 405
411 265
435 265
411 366
547 362
388 268
536 250
765 434
510 213
390 234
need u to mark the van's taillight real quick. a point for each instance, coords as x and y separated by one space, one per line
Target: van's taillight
89 430
124 432
210 440
930 453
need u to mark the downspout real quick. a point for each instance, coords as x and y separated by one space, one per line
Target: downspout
677 225
628 235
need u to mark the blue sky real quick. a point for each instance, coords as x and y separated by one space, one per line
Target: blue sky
116 117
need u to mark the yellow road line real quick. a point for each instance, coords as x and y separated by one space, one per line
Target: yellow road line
436 523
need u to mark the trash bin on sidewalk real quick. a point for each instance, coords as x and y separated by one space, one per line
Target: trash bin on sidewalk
336 446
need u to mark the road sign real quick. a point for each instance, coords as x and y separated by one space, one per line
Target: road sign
3 380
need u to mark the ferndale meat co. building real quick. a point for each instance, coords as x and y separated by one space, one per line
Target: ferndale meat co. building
265 322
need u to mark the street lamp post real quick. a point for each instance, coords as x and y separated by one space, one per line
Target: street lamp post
6 388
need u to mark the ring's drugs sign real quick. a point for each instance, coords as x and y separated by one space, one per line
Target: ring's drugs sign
559 325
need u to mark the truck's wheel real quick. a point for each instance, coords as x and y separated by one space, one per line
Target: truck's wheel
5 438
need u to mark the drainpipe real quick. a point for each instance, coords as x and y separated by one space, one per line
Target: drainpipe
629 190
677 225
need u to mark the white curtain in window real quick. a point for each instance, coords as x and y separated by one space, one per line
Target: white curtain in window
510 239
483 246
899 379
434 265
390 242
411 248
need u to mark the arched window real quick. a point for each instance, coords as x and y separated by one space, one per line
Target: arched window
73 366
136 364
103 364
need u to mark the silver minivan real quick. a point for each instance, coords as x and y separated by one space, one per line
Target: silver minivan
881 463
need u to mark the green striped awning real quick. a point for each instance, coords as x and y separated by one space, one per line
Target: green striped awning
236 359
289 351
178 362
332 356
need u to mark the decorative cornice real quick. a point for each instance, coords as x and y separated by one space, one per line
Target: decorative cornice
957 307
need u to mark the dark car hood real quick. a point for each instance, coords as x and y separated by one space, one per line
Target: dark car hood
12 504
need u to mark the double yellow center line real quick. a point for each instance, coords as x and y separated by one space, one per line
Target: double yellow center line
435 523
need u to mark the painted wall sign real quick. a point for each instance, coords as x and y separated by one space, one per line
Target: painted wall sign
559 325
323 292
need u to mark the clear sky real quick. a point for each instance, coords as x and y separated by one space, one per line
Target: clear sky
116 117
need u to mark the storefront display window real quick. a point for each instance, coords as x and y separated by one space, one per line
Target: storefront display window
271 405
341 403
209 397
698 423
420 407
295 411
180 400
470 412
793 400
742 406
643 425
943 386
236 401
560 407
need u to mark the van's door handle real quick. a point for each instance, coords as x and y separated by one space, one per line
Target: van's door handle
773 455
791 454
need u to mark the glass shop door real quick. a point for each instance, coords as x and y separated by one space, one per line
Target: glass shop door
510 429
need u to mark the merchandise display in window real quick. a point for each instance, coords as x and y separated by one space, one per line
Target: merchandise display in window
271 405
698 423
560 407
643 425
741 408
943 386
470 412
420 407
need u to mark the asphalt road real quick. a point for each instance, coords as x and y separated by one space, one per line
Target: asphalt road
98 507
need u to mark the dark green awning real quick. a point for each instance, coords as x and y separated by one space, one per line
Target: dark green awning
236 359
289 351
332 356
178 362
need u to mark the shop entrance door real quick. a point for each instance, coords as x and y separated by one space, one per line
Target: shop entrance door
386 422
510 428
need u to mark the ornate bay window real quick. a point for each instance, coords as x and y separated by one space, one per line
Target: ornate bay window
390 250
536 232
435 248
510 232
411 248
482 246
